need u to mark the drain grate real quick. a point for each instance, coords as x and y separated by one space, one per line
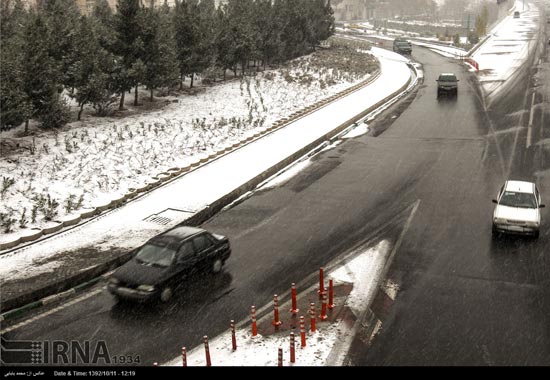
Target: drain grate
167 216
158 219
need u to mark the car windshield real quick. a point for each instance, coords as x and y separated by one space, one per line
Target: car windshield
513 199
155 255
447 78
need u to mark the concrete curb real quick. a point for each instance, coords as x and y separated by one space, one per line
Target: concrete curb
75 281
204 214
14 313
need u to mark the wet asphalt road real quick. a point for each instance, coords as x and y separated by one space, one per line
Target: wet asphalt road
464 298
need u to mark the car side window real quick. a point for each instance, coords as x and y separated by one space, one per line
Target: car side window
537 195
202 243
185 251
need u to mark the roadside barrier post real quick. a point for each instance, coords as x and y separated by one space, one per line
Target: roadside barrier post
233 338
303 331
330 295
292 349
324 316
184 356
254 326
276 321
207 351
321 290
280 359
312 316
294 310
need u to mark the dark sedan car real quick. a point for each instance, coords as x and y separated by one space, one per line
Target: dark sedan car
166 261
447 84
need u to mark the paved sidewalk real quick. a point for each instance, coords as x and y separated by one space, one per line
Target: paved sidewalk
69 258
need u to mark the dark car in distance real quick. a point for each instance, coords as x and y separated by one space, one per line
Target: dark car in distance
166 261
402 46
447 84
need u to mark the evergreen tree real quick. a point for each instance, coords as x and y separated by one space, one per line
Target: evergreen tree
205 39
108 59
91 82
15 106
159 48
240 33
184 36
129 46
62 20
167 66
268 31
295 28
40 74
104 25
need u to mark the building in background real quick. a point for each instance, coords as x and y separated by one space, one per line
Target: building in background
346 10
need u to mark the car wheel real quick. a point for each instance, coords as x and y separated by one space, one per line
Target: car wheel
217 266
536 234
166 294
494 231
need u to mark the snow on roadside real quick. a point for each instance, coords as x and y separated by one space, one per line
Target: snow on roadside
357 131
100 159
330 340
507 49
285 175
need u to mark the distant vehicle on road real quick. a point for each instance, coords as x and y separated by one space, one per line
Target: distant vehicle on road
166 261
447 84
517 209
402 46
516 14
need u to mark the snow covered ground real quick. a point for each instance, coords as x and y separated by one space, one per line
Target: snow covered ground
127 227
508 48
327 346
89 163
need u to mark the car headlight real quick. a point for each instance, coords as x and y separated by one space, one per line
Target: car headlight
114 281
499 221
146 288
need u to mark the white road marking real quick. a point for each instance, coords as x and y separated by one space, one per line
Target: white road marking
530 126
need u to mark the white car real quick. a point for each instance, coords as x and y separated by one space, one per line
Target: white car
518 209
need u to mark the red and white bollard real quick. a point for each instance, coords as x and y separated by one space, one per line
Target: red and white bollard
330 295
253 316
233 338
324 316
184 356
313 316
303 331
276 321
321 290
207 351
280 358
292 349
294 310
